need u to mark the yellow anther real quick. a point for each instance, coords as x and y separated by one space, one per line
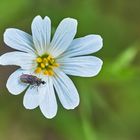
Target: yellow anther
52 61
42 65
39 60
56 65
46 72
53 65
38 70
50 66
50 72
45 60
49 57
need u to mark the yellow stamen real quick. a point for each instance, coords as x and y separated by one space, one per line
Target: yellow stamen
45 60
46 64
56 65
39 60
49 57
42 65
52 61
38 70
46 72
50 72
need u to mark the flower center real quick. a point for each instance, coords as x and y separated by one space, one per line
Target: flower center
45 64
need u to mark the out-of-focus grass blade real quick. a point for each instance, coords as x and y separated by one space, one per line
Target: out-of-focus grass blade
88 129
125 59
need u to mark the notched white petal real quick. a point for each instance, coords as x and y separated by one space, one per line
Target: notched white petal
66 90
19 40
48 104
24 60
85 66
14 85
31 98
41 32
84 45
63 36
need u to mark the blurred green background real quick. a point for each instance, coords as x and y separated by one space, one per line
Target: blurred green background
110 102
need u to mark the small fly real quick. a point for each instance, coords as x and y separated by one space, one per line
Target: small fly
31 80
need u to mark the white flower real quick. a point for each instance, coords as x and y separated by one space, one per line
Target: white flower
50 60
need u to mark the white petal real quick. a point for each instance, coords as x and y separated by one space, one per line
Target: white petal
84 45
63 36
85 66
19 40
31 98
24 60
14 85
41 31
66 90
48 104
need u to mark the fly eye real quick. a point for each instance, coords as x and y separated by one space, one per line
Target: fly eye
43 82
